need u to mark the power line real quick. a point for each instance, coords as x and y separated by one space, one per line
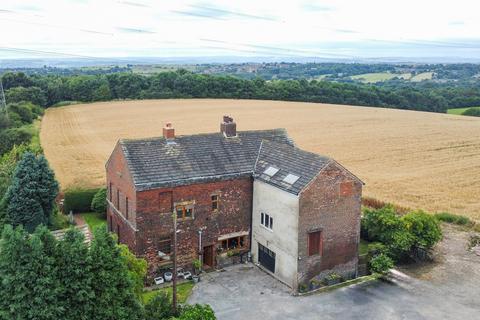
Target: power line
41 52
3 102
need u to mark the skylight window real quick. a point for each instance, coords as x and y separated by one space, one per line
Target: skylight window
270 171
291 178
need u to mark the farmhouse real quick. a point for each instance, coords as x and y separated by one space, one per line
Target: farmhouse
234 195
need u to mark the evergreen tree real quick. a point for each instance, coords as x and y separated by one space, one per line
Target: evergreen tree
114 291
29 286
30 199
48 187
75 276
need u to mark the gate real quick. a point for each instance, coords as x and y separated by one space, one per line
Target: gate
266 258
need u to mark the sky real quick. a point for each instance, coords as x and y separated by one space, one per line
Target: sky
294 28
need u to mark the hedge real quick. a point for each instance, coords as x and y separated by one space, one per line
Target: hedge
78 200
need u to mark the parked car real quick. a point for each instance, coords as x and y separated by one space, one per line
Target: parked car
168 276
187 275
158 280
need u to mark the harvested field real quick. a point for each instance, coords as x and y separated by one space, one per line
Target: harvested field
414 159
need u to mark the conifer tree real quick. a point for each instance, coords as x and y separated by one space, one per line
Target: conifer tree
114 291
29 200
29 287
75 276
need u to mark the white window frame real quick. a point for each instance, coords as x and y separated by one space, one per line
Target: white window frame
266 221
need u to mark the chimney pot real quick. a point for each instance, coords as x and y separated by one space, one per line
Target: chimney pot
168 131
228 127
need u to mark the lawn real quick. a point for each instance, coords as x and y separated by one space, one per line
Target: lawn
94 219
459 111
183 292
363 247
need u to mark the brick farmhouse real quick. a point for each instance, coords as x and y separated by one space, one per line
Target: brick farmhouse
235 195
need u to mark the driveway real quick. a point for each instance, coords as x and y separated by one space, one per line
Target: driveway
448 289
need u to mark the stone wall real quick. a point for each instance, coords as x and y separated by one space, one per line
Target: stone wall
330 204
155 218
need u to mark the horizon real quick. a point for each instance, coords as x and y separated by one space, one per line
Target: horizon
215 30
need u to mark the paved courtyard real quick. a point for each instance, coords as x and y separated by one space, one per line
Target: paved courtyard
448 289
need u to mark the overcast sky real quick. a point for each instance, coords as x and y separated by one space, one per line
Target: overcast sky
332 28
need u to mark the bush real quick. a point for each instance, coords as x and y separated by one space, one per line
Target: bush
381 264
376 248
58 220
424 228
159 307
474 112
99 201
78 200
12 137
197 312
452 218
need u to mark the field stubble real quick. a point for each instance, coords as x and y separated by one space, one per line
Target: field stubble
414 159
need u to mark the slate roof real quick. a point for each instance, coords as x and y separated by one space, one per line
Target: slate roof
156 162
289 160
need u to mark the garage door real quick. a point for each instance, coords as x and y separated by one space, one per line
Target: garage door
266 258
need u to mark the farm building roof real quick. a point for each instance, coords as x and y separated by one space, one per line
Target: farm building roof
159 162
295 168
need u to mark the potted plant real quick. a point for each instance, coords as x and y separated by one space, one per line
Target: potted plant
333 278
197 266
315 284
302 288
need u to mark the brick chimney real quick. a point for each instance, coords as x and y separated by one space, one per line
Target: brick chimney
228 127
168 131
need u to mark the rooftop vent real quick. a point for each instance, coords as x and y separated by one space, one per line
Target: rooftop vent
291 178
270 171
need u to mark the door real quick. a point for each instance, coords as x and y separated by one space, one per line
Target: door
266 258
208 257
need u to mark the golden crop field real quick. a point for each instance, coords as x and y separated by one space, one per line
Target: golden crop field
414 159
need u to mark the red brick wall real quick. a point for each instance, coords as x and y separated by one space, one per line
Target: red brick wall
332 204
119 178
154 217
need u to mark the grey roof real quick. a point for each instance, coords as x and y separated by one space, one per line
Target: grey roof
289 160
156 162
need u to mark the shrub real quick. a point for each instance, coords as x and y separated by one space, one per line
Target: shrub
376 248
453 218
424 228
381 264
12 137
58 220
78 200
99 201
197 312
159 307
474 112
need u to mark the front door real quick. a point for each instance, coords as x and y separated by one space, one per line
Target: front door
208 257
266 258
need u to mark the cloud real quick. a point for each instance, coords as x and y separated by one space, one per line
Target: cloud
134 4
134 30
316 7
456 23
205 11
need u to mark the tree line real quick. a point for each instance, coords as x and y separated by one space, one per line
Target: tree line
50 90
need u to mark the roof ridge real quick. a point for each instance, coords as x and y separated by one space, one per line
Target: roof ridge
283 130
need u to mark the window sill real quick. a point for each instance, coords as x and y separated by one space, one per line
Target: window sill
261 225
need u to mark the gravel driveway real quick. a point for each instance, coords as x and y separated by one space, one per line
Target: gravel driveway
448 289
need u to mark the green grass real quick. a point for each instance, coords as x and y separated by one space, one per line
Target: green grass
94 219
422 76
459 111
453 218
380 76
363 247
183 292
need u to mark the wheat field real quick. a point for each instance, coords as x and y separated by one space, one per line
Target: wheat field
413 159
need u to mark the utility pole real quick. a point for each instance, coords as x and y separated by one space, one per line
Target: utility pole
174 287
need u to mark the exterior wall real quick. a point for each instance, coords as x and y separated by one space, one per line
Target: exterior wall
283 207
331 204
155 221
119 178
